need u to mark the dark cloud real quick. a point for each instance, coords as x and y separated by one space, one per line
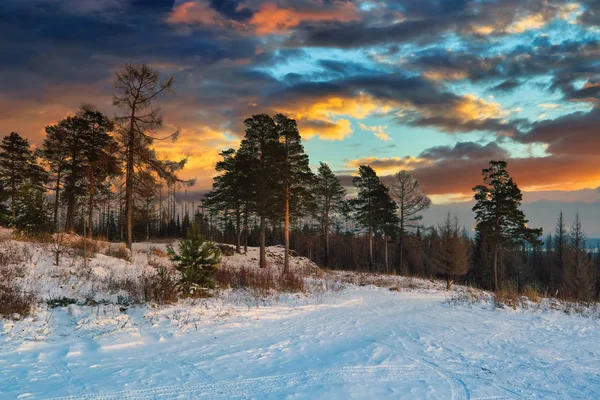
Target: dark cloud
465 150
232 9
573 134
506 86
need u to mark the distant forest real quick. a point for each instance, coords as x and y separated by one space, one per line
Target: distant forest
101 177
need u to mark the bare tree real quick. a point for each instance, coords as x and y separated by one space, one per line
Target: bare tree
406 191
137 86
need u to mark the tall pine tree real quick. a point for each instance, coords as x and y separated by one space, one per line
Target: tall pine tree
329 194
500 222
18 167
297 177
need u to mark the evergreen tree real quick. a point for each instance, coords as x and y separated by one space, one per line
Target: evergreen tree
137 87
297 177
560 250
18 167
373 207
329 194
500 222
230 191
577 274
31 211
196 260
259 155
54 155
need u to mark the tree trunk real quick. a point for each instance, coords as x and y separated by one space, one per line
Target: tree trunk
326 238
263 253
91 205
129 185
386 253
370 250
238 231
402 271
495 269
246 231
286 233
56 201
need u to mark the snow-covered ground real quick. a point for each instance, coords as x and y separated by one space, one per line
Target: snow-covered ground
360 342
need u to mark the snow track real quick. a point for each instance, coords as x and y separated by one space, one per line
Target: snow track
361 343
244 388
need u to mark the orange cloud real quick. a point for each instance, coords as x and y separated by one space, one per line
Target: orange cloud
269 18
326 118
388 166
195 12
272 19
379 131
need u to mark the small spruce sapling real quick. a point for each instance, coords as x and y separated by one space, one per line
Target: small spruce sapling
197 261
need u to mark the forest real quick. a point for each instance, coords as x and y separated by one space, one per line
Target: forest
101 177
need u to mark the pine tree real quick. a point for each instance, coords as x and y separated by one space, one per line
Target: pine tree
577 274
54 155
137 87
500 222
31 211
329 194
297 177
373 207
560 252
259 155
230 191
18 167
196 260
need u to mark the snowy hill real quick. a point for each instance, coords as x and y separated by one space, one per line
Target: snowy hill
347 335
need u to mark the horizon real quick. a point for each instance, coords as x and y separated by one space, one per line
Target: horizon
518 83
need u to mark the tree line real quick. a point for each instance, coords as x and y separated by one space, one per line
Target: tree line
265 193
91 163
105 179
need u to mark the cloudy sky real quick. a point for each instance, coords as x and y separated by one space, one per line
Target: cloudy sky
438 87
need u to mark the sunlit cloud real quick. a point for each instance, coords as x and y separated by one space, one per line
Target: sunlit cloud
271 18
378 131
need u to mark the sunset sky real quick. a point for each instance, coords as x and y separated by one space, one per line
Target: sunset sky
438 87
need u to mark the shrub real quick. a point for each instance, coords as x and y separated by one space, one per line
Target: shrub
226 250
120 252
162 288
60 302
261 282
197 261
84 246
13 300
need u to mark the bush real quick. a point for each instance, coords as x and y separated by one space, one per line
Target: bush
161 288
60 302
197 261
84 246
226 250
15 301
120 252
262 282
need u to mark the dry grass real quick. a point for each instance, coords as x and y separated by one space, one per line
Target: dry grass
121 252
84 246
155 251
15 302
469 296
159 288
262 282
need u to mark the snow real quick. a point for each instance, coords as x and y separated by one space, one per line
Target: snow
360 342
